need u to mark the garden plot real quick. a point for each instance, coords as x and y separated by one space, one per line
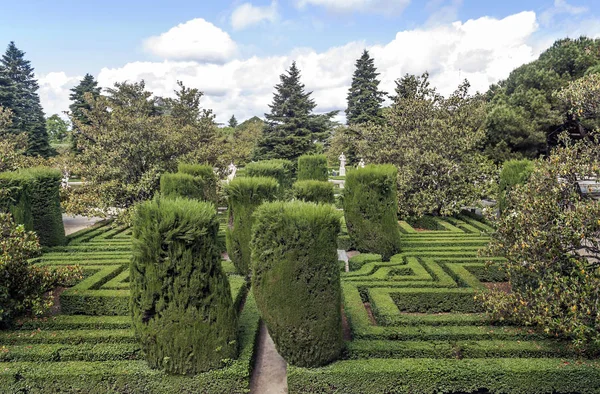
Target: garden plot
90 346
416 327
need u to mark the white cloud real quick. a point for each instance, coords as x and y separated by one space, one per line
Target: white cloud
442 11
482 50
196 39
560 7
247 15
54 92
379 6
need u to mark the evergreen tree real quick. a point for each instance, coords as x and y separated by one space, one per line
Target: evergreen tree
79 104
292 128
364 97
19 94
233 123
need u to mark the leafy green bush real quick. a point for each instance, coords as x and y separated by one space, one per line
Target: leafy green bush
33 198
244 195
23 285
514 172
206 178
181 303
312 167
296 280
314 191
370 205
280 169
181 185
356 262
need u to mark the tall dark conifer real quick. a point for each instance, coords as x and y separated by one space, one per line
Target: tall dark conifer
364 97
20 95
79 104
233 123
292 128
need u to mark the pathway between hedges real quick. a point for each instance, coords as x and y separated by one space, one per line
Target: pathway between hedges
270 369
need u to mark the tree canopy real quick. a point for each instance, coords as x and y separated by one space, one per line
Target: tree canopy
364 97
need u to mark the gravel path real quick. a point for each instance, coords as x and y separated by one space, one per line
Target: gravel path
270 371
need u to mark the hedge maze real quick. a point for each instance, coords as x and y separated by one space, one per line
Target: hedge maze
90 345
416 327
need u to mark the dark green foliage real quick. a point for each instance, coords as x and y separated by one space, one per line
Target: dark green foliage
356 262
312 167
314 191
514 172
181 303
370 205
296 280
79 105
244 195
18 92
281 170
34 201
425 222
364 97
233 123
291 126
206 178
181 185
436 301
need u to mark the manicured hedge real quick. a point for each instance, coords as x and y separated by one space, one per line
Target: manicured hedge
514 172
280 169
181 185
370 206
312 167
356 262
206 178
296 280
314 191
244 195
181 302
33 199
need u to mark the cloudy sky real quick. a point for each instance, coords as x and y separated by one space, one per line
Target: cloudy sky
235 51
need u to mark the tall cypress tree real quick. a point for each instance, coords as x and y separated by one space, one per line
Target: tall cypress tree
364 97
233 123
79 104
291 126
20 95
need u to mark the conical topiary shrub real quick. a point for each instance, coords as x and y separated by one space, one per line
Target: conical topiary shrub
244 195
296 280
183 313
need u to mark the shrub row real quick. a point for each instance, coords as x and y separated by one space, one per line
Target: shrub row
314 191
281 170
194 181
312 167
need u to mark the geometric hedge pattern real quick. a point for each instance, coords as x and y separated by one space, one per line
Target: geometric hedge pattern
90 346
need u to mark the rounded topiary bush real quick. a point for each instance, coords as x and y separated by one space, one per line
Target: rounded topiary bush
280 169
314 191
296 280
312 167
370 206
244 195
183 313
514 172
206 178
33 197
181 185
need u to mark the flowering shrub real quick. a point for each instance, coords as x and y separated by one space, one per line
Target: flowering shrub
23 286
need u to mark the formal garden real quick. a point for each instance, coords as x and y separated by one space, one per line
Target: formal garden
403 253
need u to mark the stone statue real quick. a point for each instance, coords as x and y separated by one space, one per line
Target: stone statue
232 170
342 164
361 163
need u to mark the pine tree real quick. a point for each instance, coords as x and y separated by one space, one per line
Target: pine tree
364 96
233 123
20 95
291 127
79 105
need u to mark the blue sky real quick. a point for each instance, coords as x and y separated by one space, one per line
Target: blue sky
253 41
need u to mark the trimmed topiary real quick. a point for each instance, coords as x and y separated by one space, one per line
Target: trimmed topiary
314 191
183 313
370 205
181 185
312 167
244 195
280 169
32 195
514 172
206 177
296 280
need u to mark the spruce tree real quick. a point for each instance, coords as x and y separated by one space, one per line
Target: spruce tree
364 96
291 126
233 123
79 104
20 95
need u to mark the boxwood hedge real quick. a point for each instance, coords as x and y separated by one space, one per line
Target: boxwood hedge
314 191
312 167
